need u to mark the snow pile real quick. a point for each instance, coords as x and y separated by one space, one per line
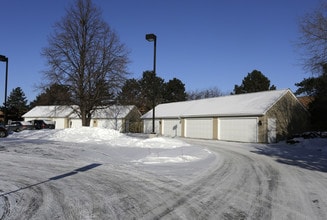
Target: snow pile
158 149
79 135
160 142
86 134
99 136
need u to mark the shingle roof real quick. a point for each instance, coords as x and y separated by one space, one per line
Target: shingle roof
233 105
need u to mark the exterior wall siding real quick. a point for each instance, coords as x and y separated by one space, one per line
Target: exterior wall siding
147 126
183 127
291 117
75 123
262 129
116 124
170 127
60 123
215 128
132 122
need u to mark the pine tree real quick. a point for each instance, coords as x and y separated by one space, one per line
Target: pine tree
54 95
151 88
16 104
254 82
131 94
316 87
174 91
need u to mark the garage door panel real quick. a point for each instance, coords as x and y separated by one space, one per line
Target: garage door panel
199 128
238 129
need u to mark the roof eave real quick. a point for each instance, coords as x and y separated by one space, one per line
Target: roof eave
208 116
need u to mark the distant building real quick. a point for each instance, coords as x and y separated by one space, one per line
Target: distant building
306 100
121 118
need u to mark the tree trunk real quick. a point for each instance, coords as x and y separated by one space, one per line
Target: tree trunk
86 118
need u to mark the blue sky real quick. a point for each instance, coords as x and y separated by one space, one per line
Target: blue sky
204 43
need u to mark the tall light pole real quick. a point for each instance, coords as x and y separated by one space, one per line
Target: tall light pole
150 38
5 59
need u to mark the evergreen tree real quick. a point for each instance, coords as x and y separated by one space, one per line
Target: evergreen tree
254 82
150 90
316 87
318 107
307 86
174 91
131 94
54 95
16 104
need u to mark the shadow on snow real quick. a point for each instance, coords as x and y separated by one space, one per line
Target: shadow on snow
76 171
314 158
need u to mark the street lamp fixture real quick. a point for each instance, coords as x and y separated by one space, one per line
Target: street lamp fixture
5 59
150 37
153 38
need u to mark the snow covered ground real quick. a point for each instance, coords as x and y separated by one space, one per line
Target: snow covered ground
92 173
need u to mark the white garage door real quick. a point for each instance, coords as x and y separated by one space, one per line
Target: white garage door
199 128
237 129
171 127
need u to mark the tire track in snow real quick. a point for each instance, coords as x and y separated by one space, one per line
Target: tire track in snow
4 206
219 190
289 192
239 188
255 196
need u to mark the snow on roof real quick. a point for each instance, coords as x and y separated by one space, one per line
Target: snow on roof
257 103
52 111
116 111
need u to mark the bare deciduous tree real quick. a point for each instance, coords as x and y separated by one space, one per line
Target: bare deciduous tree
313 29
203 94
86 56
